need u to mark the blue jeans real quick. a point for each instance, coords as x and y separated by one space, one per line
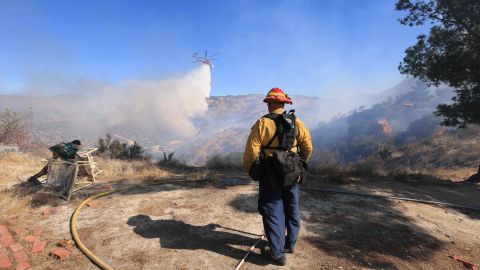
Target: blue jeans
280 210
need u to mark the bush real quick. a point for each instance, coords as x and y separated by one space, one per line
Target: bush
216 162
117 150
169 161
230 162
327 165
15 130
385 150
172 164
362 169
358 148
332 172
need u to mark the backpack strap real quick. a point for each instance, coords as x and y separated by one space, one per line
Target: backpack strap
271 140
271 116
274 117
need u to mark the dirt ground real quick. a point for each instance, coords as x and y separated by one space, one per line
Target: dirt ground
212 225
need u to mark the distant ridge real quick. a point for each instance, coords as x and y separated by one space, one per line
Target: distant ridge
227 122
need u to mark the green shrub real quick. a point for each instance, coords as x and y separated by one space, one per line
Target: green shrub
113 148
231 162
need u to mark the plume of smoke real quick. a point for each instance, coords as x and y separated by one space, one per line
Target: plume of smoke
162 107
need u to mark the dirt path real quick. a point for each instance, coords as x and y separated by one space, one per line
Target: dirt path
203 226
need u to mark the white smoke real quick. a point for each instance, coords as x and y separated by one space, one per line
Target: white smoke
161 107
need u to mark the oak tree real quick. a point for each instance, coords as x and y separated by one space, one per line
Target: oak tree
449 54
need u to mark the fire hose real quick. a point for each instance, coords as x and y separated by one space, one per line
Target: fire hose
73 228
73 221
103 265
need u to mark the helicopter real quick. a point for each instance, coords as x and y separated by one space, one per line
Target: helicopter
207 60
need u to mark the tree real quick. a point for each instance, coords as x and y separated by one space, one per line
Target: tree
450 54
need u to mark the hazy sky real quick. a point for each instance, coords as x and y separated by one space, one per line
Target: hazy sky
324 47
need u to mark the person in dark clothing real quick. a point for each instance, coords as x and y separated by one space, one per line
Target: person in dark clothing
278 205
64 151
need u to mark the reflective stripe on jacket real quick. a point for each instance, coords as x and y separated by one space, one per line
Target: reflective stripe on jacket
263 131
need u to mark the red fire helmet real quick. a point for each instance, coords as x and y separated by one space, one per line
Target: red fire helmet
278 96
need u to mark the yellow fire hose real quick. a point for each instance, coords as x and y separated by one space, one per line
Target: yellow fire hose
73 221
97 261
73 228
105 266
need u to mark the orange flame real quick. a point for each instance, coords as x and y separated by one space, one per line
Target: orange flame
387 128
439 132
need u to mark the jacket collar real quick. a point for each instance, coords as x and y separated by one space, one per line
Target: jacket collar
279 111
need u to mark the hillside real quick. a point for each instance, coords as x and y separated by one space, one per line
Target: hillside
226 124
349 129
451 155
408 117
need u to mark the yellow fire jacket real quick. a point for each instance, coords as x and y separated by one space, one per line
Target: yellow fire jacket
263 131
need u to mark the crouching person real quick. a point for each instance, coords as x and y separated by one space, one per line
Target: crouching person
276 152
64 151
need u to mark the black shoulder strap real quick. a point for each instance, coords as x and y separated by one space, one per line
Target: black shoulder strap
271 116
271 140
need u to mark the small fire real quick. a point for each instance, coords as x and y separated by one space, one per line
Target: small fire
439 132
387 128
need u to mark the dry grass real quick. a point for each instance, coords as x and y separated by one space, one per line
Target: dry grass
19 165
12 204
456 174
420 162
22 165
114 169
450 157
363 168
15 166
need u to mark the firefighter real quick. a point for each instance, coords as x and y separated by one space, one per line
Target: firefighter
278 202
64 151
